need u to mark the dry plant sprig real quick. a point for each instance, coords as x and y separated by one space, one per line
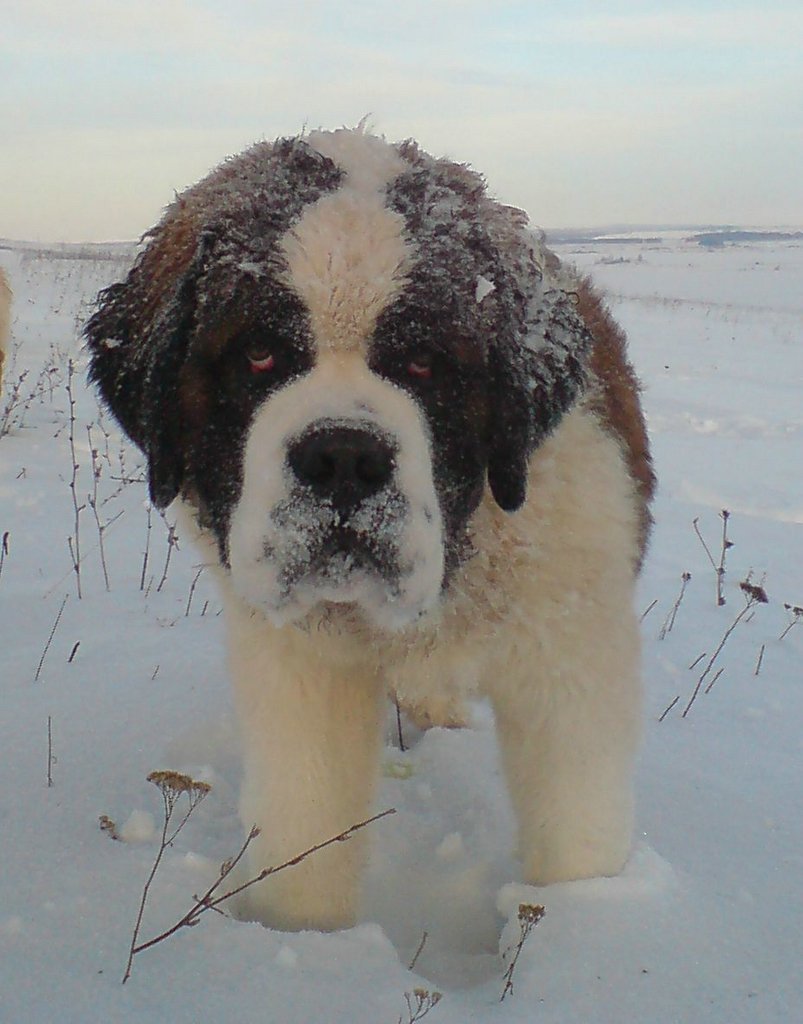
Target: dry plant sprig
74 541
4 549
19 401
726 545
50 639
754 594
529 916
797 616
50 758
648 609
172 785
94 504
193 585
419 951
419 1002
669 622
172 542
146 553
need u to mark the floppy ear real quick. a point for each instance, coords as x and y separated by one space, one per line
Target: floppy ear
138 340
534 379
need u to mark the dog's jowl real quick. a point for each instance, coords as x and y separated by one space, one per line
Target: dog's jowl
411 444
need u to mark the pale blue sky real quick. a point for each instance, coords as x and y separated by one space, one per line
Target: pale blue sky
582 113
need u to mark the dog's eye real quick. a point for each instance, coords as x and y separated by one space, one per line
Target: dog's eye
260 360
420 367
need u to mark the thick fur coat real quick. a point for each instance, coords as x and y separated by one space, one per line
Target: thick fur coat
411 444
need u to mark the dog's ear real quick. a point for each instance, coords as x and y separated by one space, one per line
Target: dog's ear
138 340
534 378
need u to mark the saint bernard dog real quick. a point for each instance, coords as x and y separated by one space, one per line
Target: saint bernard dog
411 444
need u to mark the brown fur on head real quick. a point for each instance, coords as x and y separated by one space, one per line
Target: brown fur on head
338 249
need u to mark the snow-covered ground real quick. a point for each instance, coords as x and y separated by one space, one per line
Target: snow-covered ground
706 923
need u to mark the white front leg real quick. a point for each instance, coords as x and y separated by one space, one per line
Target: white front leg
310 740
568 715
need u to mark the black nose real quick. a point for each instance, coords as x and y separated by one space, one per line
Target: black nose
343 464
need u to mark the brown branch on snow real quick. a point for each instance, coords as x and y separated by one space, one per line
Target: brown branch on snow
419 951
670 619
74 541
172 785
754 594
50 759
648 609
726 545
50 639
172 542
797 616
4 549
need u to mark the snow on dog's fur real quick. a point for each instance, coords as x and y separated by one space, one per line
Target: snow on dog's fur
412 444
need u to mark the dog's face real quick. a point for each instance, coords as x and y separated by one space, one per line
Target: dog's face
329 346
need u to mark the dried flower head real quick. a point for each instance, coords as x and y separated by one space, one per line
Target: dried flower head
174 784
108 826
530 914
753 592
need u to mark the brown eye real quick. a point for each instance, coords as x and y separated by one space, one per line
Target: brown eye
260 360
420 367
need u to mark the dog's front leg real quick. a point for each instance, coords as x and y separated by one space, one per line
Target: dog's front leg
568 716
310 737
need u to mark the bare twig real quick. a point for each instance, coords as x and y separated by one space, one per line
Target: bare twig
146 553
399 729
267 872
760 659
529 916
172 542
753 595
50 759
797 616
171 785
648 609
668 709
719 569
192 591
4 550
717 674
74 542
92 501
50 640
669 622
419 951
209 901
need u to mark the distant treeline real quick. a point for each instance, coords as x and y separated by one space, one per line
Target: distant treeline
706 236
717 238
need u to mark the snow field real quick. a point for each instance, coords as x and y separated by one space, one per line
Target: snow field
705 924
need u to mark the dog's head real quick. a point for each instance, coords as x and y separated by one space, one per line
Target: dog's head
328 346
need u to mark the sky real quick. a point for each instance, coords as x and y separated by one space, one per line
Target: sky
584 114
